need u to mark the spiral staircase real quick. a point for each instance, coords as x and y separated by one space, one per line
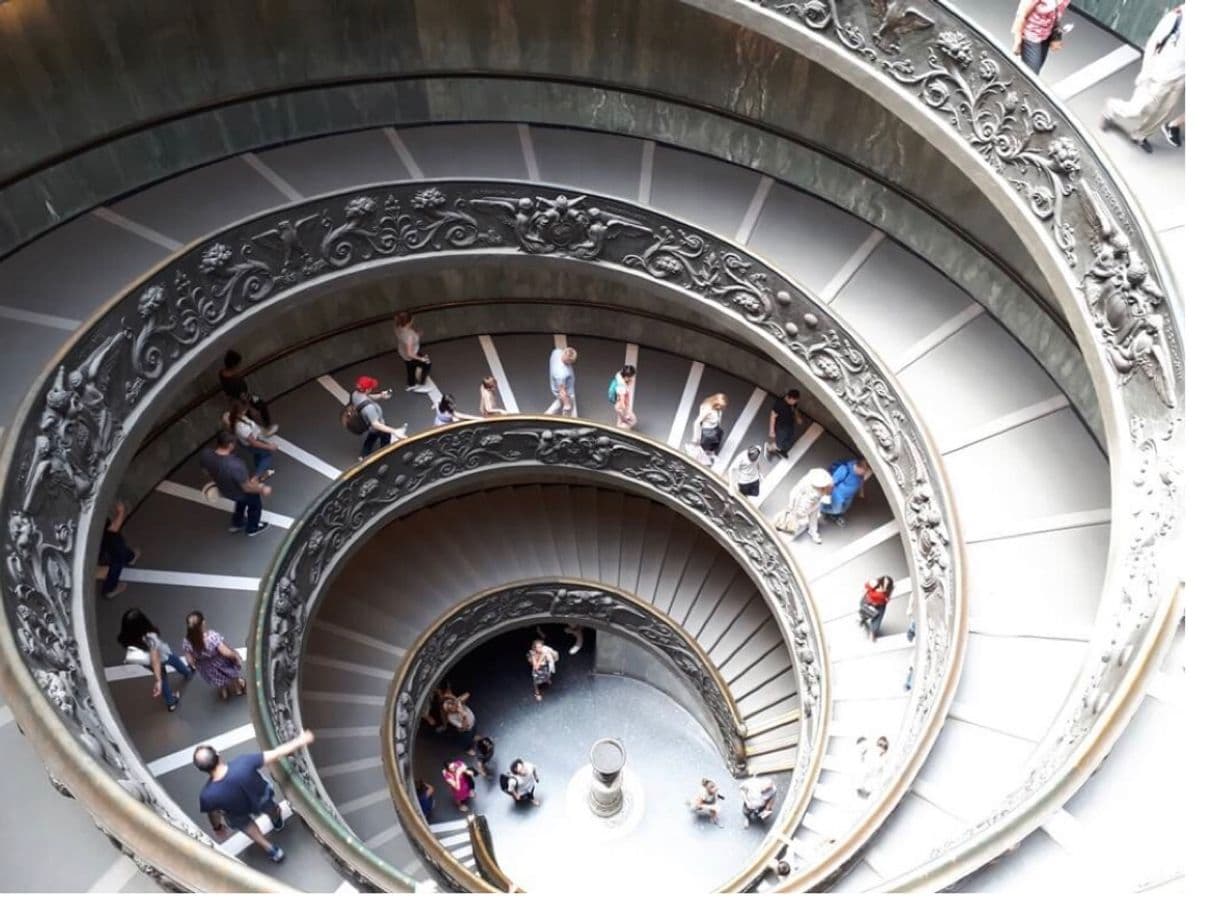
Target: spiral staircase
1026 627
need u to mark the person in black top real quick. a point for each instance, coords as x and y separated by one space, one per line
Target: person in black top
783 418
115 553
232 381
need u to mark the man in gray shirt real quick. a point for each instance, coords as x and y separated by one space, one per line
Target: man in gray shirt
233 480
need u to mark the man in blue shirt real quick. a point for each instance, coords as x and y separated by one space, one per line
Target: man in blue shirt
848 477
236 791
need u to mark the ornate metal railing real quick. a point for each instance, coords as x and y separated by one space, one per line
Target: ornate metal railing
946 78
474 621
83 419
436 463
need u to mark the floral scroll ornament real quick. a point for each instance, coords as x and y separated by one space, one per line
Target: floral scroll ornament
1001 125
560 225
689 260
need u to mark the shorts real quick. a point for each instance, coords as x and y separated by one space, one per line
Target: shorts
752 488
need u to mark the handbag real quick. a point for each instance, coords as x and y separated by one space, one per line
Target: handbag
786 522
136 656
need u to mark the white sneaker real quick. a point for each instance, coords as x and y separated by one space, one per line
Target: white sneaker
575 649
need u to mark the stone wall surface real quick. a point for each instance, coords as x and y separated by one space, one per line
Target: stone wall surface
1133 20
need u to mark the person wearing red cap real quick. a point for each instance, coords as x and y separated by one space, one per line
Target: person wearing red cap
365 400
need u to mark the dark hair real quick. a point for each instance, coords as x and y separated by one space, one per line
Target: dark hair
225 438
629 370
232 358
784 868
194 630
488 381
420 786
792 394
446 404
516 762
236 409
134 626
884 583
206 758
754 452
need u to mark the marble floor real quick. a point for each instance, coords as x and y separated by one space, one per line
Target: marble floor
552 848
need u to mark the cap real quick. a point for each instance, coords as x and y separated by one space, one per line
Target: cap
367 384
820 478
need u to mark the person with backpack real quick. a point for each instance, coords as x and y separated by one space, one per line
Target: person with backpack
521 782
621 394
707 434
872 605
849 475
363 416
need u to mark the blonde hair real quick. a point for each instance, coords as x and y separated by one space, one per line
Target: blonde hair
718 401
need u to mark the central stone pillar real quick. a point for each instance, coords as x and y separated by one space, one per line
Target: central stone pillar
605 792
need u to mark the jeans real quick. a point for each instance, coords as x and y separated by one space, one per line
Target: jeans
872 623
784 439
556 406
173 659
247 512
829 508
1034 54
117 554
374 439
262 460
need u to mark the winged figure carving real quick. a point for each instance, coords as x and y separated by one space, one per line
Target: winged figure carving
897 18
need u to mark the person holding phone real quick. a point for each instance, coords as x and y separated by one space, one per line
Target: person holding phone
1037 29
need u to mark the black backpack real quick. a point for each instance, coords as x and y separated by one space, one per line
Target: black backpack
352 417
505 783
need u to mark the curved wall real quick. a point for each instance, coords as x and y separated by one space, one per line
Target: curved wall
182 63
